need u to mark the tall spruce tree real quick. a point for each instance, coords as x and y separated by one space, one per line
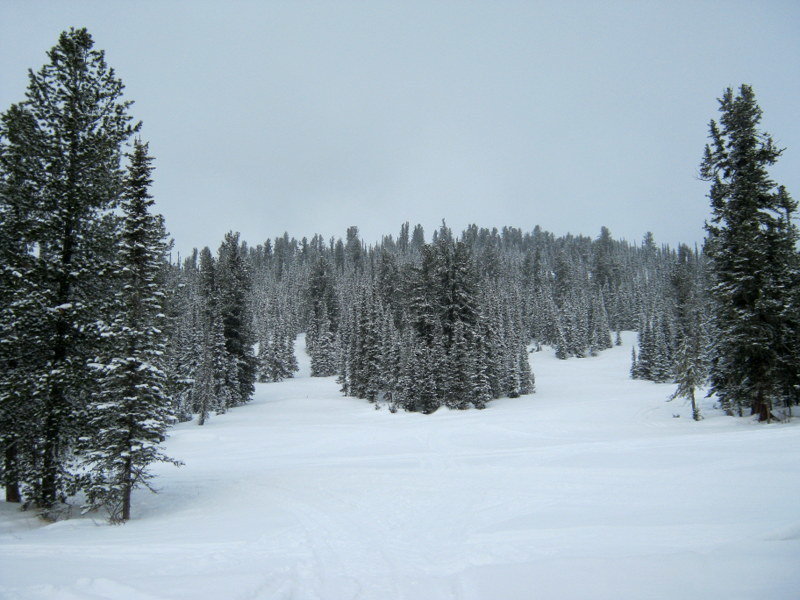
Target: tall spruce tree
752 247
233 285
129 416
61 150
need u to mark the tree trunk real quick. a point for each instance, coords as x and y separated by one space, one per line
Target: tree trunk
47 493
762 407
12 474
126 491
55 401
695 408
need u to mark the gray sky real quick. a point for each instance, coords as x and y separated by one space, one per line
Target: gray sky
309 117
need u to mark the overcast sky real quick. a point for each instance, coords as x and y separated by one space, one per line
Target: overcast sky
308 117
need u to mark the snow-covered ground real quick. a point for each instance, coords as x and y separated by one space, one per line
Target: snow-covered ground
590 488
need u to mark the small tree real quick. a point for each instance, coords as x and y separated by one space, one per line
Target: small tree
691 367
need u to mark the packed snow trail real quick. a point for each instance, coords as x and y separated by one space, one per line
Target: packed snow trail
591 488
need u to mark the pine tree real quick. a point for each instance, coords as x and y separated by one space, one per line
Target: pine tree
233 285
129 417
752 246
662 360
390 361
210 389
323 353
691 365
599 329
641 367
61 151
527 380
481 386
184 335
460 370
323 310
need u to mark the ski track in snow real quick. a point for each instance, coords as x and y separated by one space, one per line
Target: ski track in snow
590 488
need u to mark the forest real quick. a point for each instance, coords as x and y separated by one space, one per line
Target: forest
107 338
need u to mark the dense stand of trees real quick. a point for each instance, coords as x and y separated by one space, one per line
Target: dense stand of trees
104 342
417 325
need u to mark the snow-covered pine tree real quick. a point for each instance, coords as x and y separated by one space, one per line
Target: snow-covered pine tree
323 352
210 390
387 283
61 151
691 368
641 365
662 363
185 335
752 244
354 252
390 359
481 385
364 350
656 357
460 369
289 335
129 417
323 313
233 285
599 328
263 356
275 360
418 237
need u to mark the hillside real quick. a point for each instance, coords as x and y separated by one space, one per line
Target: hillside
590 488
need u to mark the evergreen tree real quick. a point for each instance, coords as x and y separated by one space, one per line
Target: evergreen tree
61 150
233 285
211 391
599 329
752 246
460 370
418 237
691 365
185 336
481 386
130 415
323 353
276 357
323 317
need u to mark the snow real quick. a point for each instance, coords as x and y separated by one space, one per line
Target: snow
591 488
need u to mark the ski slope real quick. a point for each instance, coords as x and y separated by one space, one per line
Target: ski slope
591 488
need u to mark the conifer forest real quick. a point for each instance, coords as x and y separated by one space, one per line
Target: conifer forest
109 338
